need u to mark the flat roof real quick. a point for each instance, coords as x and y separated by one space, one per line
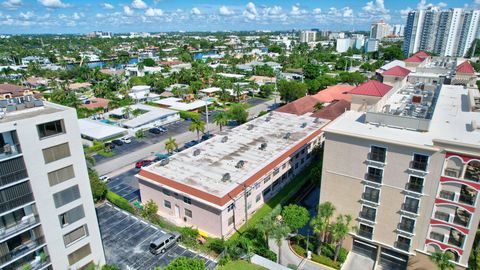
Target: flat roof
203 167
177 104
25 113
99 131
451 122
210 90
152 114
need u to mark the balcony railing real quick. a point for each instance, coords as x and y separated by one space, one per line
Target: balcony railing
452 172
22 249
365 233
373 178
16 202
376 157
370 197
9 150
13 177
405 227
402 246
455 242
410 208
461 220
447 195
367 215
22 224
437 237
442 216
414 187
467 199
419 165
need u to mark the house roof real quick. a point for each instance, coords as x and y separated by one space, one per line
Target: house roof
335 92
418 57
6 88
371 88
97 103
299 106
466 68
396 71
334 110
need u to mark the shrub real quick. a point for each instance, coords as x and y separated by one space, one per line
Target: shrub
191 115
267 253
120 202
99 188
325 261
217 245
189 236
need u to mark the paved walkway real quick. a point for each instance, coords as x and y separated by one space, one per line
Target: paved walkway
356 261
290 258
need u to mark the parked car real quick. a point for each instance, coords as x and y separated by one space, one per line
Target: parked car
109 145
190 144
104 178
163 129
155 131
143 163
206 136
117 142
164 242
126 140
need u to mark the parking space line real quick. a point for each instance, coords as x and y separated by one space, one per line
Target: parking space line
125 228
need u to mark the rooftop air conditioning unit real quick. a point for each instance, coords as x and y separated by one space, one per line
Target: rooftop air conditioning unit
226 177
263 146
304 124
250 127
224 139
240 164
317 120
268 119
196 152
287 135
164 161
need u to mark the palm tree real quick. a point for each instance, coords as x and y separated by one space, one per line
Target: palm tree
170 145
127 112
321 223
340 230
265 226
224 95
237 91
221 119
442 260
197 126
279 232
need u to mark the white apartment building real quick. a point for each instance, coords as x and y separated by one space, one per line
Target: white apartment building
308 36
379 30
47 216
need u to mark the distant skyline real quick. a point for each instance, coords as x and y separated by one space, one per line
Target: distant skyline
82 16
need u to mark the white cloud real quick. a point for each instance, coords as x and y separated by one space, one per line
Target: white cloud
53 4
317 11
12 4
296 10
77 15
100 15
250 11
139 4
27 15
225 11
347 12
128 11
273 11
154 12
423 5
107 6
377 7
195 11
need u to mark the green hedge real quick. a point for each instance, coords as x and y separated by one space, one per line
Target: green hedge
316 258
120 202
187 114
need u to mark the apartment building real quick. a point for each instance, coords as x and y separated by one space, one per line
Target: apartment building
408 171
379 30
47 216
308 36
217 185
444 32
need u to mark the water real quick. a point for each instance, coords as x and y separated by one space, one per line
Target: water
310 202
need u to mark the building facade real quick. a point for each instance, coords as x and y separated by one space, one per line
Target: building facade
308 36
443 32
379 30
47 216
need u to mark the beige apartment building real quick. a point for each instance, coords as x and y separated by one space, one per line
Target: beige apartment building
408 171
218 184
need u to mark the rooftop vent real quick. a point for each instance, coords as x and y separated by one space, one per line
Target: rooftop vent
263 146
268 119
317 120
271 113
196 152
287 135
224 139
240 164
164 161
226 177
250 127
303 125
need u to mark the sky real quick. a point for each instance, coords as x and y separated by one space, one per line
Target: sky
82 16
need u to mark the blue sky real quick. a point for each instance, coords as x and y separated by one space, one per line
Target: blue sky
81 16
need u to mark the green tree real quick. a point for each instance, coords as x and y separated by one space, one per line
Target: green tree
266 90
321 223
186 263
148 62
354 78
340 230
442 260
171 145
291 90
110 267
311 71
295 216
127 112
221 119
237 91
197 126
238 112
99 188
140 134
392 52
266 224
279 232
149 211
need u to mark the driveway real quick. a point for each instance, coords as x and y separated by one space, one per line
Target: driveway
126 241
290 258
356 261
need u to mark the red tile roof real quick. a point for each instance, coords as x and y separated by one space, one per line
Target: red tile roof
418 57
97 103
15 90
397 71
371 88
333 110
335 92
299 106
465 68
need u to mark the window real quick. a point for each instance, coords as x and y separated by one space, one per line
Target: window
258 198
275 184
230 220
230 207
75 235
66 196
276 171
71 216
249 205
403 243
79 254
437 236
166 191
448 195
378 154
248 193
266 179
284 166
411 205
50 129
415 184
188 212
167 204
371 194
374 174
365 231
407 224
56 152
302 161
368 213
187 200
420 162
303 151
257 185
296 165
61 175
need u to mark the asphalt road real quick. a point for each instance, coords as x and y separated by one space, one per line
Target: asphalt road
126 241
126 185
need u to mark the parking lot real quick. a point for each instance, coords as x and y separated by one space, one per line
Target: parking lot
126 241
126 185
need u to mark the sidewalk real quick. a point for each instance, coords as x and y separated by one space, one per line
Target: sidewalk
290 258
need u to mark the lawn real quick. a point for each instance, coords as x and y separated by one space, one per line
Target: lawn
240 265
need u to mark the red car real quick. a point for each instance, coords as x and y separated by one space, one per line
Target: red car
142 163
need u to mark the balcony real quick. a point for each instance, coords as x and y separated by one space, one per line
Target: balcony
454 241
402 246
373 178
24 248
405 227
414 188
453 172
376 157
24 223
367 215
365 233
27 198
370 197
410 208
13 177
447 195
472 172
442 216
462 218
419 166
33 261
466 199
9 145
